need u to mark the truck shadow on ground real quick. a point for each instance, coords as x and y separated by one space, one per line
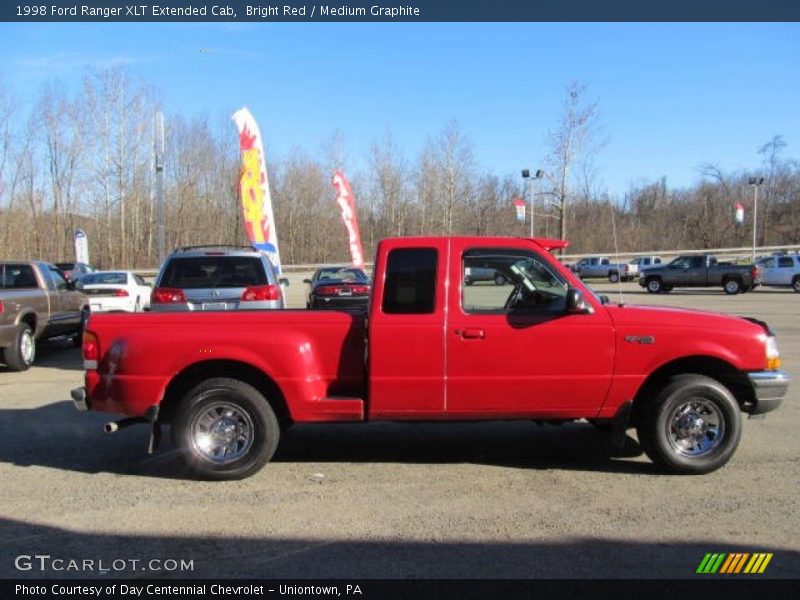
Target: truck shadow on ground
58 353
56 436
291 558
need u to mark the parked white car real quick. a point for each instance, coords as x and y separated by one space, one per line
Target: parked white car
780 270
110 291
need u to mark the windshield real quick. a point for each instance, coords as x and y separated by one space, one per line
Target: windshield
198 272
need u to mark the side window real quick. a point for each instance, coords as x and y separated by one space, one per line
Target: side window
656 261
19 277
139 280
410 287
786 261
61 283
698 262
505 279
769 263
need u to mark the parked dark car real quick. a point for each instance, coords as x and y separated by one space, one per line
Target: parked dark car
338 287
73 271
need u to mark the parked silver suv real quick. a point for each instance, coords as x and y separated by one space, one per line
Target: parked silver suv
217 278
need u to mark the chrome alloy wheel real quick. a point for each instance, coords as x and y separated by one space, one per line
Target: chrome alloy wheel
222 433
695 428
27 347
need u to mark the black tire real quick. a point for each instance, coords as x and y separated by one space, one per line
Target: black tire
654 285
613 277
499 279
668 421
236 405
467 281
732 286
77 339
796 284
602 424
21 354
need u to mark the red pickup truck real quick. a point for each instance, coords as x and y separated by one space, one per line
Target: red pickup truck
542 346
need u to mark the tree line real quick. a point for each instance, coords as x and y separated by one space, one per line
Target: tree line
85 160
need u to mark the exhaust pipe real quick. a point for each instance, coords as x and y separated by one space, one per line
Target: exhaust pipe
113 426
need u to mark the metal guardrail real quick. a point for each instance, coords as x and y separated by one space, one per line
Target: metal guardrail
743 252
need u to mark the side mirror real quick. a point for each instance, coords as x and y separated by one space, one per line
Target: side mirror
284 281
577 304
308 281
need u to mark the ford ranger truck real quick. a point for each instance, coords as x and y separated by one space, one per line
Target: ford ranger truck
540 347
700 271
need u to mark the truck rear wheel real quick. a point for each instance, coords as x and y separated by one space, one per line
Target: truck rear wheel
613 277
692 426
654 285
226 429
20 355
732 286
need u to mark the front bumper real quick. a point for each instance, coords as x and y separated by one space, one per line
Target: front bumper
79 398
770 387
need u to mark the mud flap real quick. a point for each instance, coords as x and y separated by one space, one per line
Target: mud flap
619 426
155 429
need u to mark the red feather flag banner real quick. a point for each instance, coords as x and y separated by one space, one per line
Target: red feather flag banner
519 204
347 203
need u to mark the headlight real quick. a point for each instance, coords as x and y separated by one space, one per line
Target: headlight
773 356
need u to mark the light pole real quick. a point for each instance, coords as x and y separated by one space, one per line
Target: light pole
755 182
526 175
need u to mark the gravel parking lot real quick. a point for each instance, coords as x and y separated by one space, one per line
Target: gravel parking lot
394 500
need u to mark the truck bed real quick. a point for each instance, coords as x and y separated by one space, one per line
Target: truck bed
315 357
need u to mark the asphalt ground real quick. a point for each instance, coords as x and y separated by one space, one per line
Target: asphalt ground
487 500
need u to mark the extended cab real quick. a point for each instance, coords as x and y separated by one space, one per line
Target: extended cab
541 346
700 270
36 302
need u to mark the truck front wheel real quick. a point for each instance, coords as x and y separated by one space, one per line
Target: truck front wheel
226 429
796 284
654 285
691 427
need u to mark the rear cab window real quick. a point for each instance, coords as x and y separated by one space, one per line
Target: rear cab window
18 277
410 284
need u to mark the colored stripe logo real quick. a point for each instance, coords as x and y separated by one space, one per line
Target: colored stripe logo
734 563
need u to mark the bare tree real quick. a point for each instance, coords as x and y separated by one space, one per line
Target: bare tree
573 136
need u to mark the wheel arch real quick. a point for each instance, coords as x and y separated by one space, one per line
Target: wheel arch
232 369
716 368
29 318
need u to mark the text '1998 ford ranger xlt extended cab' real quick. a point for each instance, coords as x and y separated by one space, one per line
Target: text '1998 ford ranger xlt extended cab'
541 346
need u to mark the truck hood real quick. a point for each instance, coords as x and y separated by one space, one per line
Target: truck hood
680 318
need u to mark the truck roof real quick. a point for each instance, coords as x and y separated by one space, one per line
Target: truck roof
546 243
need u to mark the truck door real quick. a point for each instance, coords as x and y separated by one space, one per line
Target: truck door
406 330
785 271
65 313
512 350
